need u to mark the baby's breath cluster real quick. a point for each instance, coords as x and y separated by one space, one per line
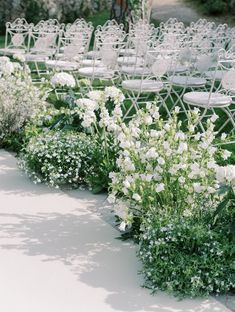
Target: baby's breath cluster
57 158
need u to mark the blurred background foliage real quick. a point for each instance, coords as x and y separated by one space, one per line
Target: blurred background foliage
65 11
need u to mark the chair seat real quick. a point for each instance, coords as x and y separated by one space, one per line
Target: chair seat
205 99
47 51
139 85
217 75
36 57
96 72
11 51
177 68
93 54
65 65
127 52
135 71
187 81
90 63
130 60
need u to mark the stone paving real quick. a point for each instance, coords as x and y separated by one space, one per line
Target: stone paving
59 254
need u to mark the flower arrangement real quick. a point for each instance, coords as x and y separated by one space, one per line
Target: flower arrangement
63 80
19 98
57 158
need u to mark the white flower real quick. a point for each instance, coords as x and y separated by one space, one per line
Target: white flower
148 120
6 66
122 226
214 117
126 183
111 199
191 128
19 57
198 188
182 147
64 80
160 187
97 96
177 109
181 180
87 104
136 197
226 174
211 164
226 154
151 153
223 136
161 161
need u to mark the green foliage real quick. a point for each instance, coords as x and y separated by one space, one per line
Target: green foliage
103 161
214 7
188 257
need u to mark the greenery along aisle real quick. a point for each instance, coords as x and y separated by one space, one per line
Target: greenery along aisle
165 181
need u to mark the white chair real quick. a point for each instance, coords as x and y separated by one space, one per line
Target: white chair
139 87
42 43
212 102
16 37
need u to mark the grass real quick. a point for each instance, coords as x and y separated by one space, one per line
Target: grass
2 41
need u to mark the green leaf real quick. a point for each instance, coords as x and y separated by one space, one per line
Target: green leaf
97 189
221 206
232 228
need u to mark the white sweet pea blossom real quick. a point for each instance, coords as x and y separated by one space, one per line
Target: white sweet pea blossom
198 188
226 174
226 154
160 187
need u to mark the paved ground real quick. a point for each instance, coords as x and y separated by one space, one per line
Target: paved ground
57 254
165 9
183 11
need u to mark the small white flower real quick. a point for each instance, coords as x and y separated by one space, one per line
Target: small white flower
226 154
223 136
214 117
160 187
177 109
181 180
161 161
122 226
198 188
136 197
111 199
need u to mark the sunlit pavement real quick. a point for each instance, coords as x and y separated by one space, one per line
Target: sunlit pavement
58 254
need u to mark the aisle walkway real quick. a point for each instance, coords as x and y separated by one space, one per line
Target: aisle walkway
165 9
58 255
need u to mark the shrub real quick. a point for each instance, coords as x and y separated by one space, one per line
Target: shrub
187 257
215 6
